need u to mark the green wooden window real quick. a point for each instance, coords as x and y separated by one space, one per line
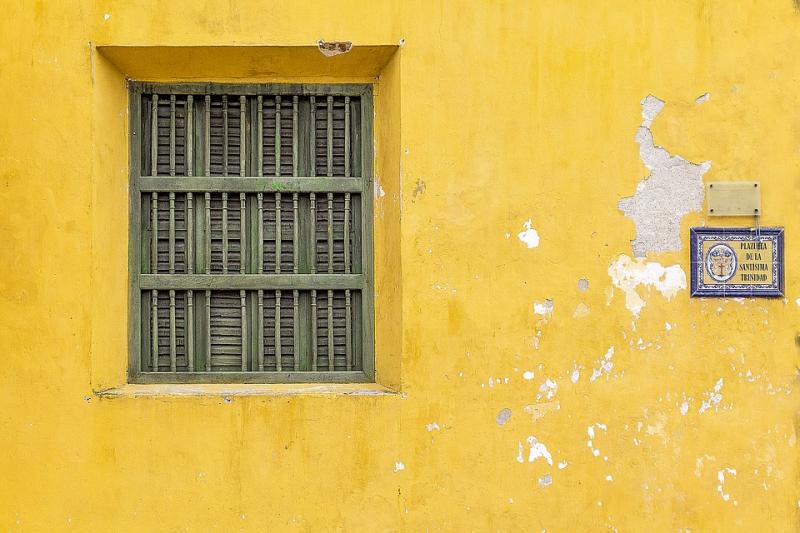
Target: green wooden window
250 233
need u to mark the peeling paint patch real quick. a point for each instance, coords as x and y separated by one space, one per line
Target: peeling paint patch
528 375
604 365
503 416
537 450
721 487
673 189
590 431
562 465
334 48
703 98
547 390
379 192
712 397
544 308
399 466
529 236
546 480
539 410
628 274
581 310
575 375
583 284
433 426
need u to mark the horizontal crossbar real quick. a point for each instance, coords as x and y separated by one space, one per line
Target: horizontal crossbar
251 281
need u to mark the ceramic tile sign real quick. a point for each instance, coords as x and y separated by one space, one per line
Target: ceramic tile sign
737 262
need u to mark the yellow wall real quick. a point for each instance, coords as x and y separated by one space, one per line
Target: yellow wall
489 114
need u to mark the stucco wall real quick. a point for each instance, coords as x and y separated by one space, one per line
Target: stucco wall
545 377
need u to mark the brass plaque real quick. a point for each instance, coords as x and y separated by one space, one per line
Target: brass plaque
734 198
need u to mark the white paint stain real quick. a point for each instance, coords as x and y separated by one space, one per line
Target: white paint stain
106 16
684 407
712 397
398 466
590 431
544 308
528 375
627 274
537 450
667 326
721 487
379 192
604 365
562 465
576 375
547 390
529 236
433 426
581 310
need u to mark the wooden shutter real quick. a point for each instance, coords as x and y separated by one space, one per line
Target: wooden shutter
251 233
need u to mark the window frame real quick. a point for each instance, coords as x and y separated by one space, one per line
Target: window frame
138 281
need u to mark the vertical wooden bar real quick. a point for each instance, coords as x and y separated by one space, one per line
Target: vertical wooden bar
330 330
242 239
224 233
171 232
329 123
154 331
207 117
260 330
154 137
295 235
346 136
260 143
278 232
330 233
208 232
189 250
173 366
314 330
313 258
278 135
313 136
278 330
346 231
294 136
154 233
348 331
224 135
172 135
243 301
208 331
295 270
295 329
242 136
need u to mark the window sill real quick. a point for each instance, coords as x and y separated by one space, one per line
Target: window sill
259 390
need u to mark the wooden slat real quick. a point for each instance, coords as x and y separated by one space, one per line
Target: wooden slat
295 147
224 135
330 233
329 124
224 233
260 330
171 249
260 264
242 137
347 136
251 281
278 354
296 235
296 329
252 89
154 137
208 331
154 329
300 184
172 334
189 142
253 377
277 135
348 328
346 232
243 300
278 232
313 136
313 244
330 330
190 330
242 239
314 330
154 232
172 135
260 136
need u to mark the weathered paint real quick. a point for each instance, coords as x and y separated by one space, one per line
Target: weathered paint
496 113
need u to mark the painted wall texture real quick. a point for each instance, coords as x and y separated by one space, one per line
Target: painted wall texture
537 370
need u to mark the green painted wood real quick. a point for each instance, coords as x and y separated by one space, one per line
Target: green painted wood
278 224
251 281
278 354
136 255
303 282
173 349
252 377
252 89
250 184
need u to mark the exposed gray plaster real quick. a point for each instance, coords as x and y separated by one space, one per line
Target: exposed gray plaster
673 189
583 284
503 416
